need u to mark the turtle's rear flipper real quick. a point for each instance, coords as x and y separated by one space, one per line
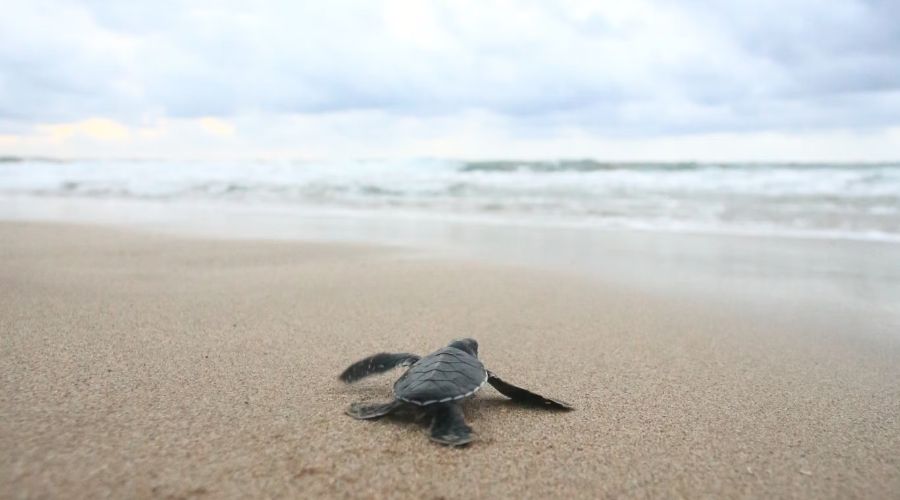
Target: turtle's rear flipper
365 412
377 363
525 396
448 425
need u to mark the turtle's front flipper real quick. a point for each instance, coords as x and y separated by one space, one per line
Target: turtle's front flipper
448 425
524 395
365 412
378 363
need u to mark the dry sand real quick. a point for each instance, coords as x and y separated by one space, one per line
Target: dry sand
138 365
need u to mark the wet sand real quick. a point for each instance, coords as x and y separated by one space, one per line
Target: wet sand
142 365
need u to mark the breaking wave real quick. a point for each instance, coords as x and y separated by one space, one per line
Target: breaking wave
859 201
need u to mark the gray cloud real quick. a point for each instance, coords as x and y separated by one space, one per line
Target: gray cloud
647 68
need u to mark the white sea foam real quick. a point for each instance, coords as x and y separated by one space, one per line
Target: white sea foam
824 200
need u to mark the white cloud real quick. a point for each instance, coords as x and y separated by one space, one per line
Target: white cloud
471 135
545 72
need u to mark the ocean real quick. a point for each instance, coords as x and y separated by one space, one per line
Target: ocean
817 200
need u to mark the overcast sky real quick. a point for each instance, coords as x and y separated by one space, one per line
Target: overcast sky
637 79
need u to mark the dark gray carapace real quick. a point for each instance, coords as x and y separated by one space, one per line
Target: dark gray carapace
437 384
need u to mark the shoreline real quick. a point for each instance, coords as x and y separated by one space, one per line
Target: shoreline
147 365
857 278
186 217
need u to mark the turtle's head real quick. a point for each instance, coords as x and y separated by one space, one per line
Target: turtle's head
468 345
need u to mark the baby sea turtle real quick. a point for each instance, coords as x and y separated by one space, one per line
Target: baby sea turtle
436 384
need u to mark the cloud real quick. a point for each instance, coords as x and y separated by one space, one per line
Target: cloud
217 126
643 68
469 135
102 129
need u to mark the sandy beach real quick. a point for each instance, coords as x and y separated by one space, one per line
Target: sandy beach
139 365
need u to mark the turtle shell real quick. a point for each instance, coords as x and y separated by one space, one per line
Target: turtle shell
444 375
